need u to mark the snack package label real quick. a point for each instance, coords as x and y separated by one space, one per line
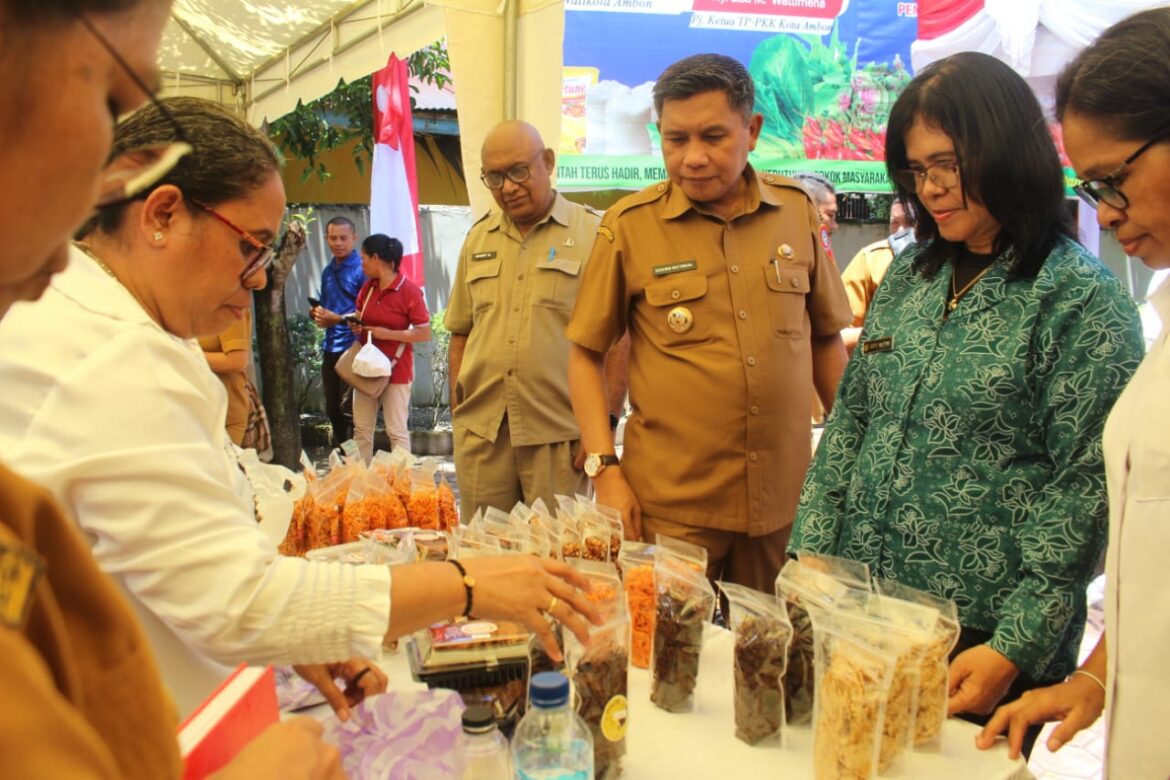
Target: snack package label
615 718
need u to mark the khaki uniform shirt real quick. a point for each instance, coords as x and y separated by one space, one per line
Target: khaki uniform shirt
82 697
720 316
512 297
237 337
863 275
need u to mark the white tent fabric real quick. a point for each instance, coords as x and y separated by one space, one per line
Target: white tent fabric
262 56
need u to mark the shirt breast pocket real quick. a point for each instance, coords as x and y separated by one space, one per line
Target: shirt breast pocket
556 282
788 289
483 282
678 312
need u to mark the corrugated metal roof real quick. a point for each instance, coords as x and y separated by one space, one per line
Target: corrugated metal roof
428 97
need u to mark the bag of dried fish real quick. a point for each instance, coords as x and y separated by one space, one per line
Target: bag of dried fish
762 633
684 602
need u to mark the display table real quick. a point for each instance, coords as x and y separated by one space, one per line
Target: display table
702 744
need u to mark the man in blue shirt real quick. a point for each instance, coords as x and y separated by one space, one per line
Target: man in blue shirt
340 282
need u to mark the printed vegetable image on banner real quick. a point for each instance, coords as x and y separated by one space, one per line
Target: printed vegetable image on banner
826 74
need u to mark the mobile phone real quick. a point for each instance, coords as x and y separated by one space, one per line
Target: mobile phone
352 318
314 301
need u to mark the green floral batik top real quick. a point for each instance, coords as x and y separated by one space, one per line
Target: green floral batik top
963 455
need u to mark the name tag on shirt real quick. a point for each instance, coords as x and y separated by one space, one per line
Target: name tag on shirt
878 345
483 255
675 268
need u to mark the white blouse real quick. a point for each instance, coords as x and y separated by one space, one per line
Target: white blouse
124 423
1137 591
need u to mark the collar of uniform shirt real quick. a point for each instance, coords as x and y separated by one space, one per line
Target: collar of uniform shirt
558 212
677 202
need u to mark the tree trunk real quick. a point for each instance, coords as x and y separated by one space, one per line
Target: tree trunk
276 363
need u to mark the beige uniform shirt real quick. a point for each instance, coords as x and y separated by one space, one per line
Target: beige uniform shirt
512 297
863 275
720 316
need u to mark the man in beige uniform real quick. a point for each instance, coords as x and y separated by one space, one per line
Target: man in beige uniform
733 311
518 274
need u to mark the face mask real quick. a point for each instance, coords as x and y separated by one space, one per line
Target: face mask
902 239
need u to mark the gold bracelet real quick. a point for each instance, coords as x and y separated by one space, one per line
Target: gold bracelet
1091 676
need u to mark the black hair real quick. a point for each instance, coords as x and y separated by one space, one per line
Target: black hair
25 13
1122 79
341 222
230 157
1007 159
386 249
700 73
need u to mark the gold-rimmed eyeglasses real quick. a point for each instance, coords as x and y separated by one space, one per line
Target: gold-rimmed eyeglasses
265 252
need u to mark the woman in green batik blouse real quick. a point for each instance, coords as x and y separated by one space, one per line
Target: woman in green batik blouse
963 455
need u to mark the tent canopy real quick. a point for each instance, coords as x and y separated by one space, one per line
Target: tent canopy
262 56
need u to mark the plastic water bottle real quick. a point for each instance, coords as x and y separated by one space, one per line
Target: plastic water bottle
552 742
483 750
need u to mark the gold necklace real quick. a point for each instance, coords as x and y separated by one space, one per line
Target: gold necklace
956 295
101 264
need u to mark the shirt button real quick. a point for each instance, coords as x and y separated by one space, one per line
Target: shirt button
509 372
511 340
754 410
735 269
742 314
520 276
751 361
753 457
674 294
516 307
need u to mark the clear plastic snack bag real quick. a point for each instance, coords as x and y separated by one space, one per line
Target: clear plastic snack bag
423 507
762 634
448 506
803 587
600 672
366 506
934 667
636 564
852 685
684 602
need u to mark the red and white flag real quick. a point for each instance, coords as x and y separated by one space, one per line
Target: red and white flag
393 177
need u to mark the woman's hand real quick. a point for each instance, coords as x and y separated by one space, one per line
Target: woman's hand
291 750
1076 703
980 677
354 328
523 588
362 678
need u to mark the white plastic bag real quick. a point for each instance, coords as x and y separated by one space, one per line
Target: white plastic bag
372 362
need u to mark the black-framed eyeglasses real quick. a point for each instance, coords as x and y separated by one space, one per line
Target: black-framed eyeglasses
130 173
1107 189
265 252
518 174
944 174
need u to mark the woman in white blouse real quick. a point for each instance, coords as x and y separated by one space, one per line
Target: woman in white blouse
109 404
1113 100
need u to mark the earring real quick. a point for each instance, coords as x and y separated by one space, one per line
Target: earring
158 236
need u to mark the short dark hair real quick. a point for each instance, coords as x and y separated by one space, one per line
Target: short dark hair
26 13
341 222
700 73
817 184
1007 158
386 249
230 158
1122 79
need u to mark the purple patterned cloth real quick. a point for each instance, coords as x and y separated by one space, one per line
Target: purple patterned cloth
400 735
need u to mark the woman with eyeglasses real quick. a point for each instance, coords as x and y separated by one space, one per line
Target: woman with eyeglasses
394 317
1113 101
109 403
82 697
963 455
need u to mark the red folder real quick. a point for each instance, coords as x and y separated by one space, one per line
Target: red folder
231 717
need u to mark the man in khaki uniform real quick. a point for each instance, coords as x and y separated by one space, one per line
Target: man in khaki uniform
518 274
733 311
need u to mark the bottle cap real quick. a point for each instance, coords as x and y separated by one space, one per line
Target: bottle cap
549 689
478 718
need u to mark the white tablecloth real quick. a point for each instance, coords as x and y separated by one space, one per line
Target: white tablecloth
702 744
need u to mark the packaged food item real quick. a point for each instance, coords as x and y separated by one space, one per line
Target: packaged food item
683 552
762 634
401 465
295 542
448 508
364 509
684 602
852 683
934 666
423 506
804 587
329 493
636 564
617 531
432 545
470 542
600 671
384 544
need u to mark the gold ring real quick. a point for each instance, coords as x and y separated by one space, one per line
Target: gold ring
552 605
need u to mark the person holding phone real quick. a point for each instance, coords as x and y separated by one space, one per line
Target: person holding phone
341 279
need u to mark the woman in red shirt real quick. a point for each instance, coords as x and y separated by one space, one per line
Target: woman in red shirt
392 310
